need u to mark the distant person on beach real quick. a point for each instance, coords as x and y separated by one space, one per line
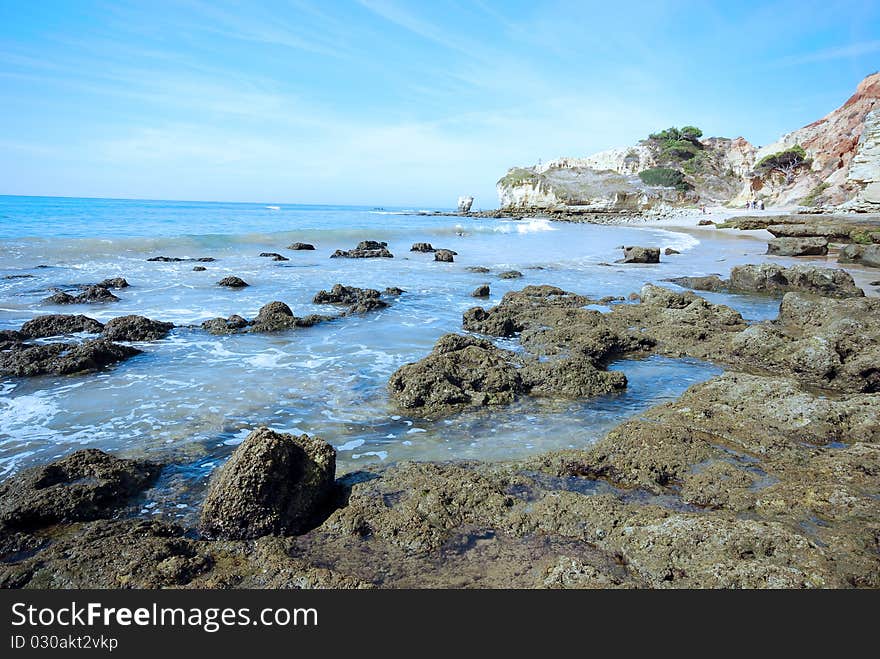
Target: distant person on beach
761 206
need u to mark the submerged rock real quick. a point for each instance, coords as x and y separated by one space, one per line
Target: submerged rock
58 325
199 268
669 251
232 282
708 283
366 249
510 274
444 255
272 484
274 256
641 255
176 259
136 328
479 269
63 358
87 484
798 247
301 247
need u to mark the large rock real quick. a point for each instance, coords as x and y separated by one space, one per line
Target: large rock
641 255
366 249
136 328
706 283
273 484
272 317
775 279
422 247
113 282
465 203
301 247
798 247
481 291
87 484
444 255
275 256
63 358
868 255
834 232
461 371
58 325
823 342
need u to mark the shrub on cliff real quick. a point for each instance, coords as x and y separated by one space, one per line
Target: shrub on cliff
786 162
678 143
665 177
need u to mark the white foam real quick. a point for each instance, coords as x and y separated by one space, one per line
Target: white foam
350 446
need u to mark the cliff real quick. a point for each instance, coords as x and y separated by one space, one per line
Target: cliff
832 162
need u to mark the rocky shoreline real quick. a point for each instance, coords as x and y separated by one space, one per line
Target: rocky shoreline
766 476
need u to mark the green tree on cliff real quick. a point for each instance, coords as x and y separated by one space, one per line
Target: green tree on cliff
786 162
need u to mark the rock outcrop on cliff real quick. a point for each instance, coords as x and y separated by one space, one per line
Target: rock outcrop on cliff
841 168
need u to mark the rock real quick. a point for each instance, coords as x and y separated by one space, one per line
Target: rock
231 325
875 283
774 279
444 255
274 256
360 300
422 247
366 249
199 268
10 339
510 274
136 328
705 223
175 259
232 282
301 247
707 283
820 341
833 232
461 371
58 325
63 358
88 484
669 251
572 377
272 484
478 269
394 291
90 295
798 247
481 291
464 204
21 276
641 255
273 317
868 255
113 282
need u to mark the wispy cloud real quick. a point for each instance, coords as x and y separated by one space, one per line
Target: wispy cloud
838 52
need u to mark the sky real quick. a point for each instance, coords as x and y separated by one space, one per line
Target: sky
379 102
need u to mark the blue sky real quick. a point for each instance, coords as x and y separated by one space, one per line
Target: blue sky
391 103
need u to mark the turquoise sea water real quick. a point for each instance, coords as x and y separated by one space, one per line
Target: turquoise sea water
192 397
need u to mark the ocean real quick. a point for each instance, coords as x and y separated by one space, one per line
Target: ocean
191 398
